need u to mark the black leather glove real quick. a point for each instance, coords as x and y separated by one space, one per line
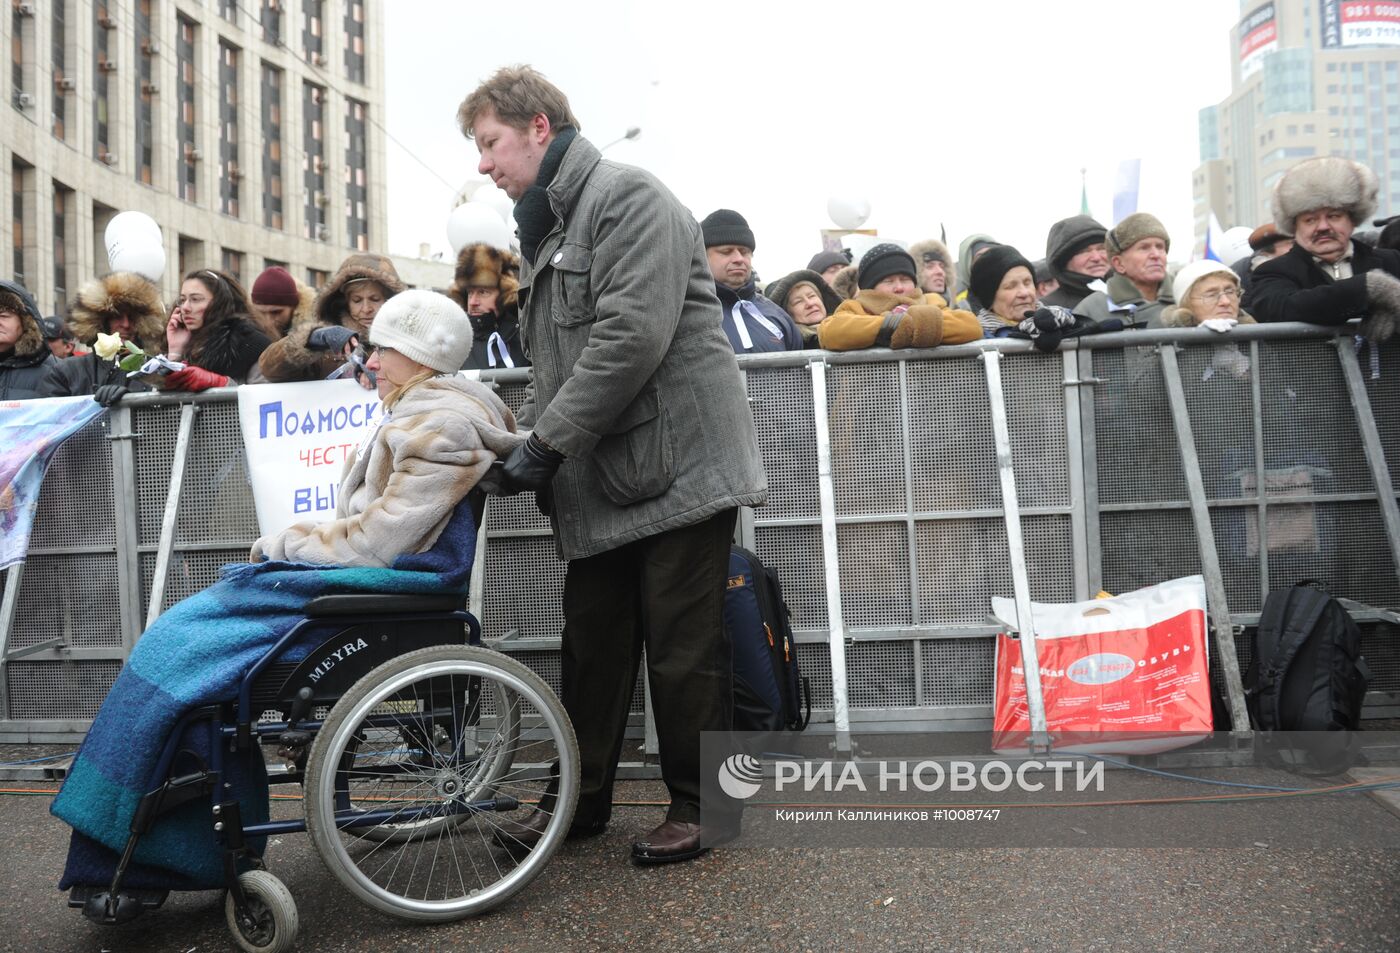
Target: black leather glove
329 339
531 465
109 394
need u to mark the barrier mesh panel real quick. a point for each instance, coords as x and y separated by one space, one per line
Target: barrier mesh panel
957 671
546 665
1351 555
953 459
1381 372
217 498
1145 548
880 674
795 554
1236 530
58 689
963 563
1134 438
1217 384
74 598
1380 644
781 401
867 442
1308 420
524 588
874 574
189 572
156 428
814 661
1035 417
75 502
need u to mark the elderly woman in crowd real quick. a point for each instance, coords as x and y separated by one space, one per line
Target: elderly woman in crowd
345 311
212 333
1005 279
808 299
1207 294
890 311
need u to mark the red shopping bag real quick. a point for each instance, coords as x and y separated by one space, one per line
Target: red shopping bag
1122 675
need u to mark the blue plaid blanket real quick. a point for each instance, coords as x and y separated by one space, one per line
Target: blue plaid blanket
196 654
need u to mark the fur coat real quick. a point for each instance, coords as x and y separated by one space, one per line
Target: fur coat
401 487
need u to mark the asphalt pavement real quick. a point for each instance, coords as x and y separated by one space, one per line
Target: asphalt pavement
1265 895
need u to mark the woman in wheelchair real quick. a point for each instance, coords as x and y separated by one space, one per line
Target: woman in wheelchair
341 643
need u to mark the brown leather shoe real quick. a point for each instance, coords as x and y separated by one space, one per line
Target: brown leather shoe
524 835
671 841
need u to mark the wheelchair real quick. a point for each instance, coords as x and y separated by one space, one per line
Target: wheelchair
411 747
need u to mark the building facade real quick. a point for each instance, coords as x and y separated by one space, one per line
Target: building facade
1308 78
250 130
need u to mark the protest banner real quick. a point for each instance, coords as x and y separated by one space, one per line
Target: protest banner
31 431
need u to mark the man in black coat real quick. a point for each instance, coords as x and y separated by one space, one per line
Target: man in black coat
1328 277
122 303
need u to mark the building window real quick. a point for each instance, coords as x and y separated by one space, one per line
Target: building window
184 120
228 9
229 172
1331 67
355 41
317 279
272 22
272 146
312 32
103 25
61 84
356 177
232 263
145 91
1292 130
18 173
21 36
314 160
1309 129
63 204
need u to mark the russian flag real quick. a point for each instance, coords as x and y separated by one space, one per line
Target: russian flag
1215 239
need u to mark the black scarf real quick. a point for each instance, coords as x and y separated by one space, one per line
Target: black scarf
533 216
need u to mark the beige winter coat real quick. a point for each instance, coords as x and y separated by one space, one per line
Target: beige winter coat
399 490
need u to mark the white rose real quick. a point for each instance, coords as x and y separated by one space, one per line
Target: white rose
108 346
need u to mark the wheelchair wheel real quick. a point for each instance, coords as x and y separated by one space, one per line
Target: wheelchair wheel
269 924
418 766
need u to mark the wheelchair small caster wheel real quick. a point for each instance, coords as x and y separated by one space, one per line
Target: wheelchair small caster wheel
269 922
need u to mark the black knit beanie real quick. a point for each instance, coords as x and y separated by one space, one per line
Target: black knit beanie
724 226
989 270
882 261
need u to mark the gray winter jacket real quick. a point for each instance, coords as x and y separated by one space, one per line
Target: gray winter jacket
634 380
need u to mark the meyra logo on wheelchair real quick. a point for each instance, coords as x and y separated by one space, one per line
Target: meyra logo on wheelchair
419 757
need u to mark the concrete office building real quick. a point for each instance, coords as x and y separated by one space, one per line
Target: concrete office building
1308 78
250 130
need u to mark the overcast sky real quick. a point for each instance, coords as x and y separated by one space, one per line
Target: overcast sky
976 115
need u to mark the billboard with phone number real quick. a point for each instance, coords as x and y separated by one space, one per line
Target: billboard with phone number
1258 37
1345 23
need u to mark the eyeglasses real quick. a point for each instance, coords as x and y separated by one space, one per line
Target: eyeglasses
381 349
1213 297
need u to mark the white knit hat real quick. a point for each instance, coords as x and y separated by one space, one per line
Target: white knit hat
428 327
1190 274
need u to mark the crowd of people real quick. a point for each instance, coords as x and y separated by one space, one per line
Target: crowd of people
1091 279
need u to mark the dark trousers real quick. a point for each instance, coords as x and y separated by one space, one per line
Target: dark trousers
664 593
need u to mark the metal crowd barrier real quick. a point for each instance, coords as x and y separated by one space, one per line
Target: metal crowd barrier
1258 460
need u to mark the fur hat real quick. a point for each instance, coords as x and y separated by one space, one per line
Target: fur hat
920 251
844 283
780 289
1070 236
724 226
362 266
121 291
882 261
428 327
1132 230
989 270
1324 182
483 266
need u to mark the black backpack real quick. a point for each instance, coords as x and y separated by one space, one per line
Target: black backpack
769 691
1308 676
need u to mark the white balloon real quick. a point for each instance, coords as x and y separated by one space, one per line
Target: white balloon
1236 244
144 258
134 243
848 211
494 199
473 222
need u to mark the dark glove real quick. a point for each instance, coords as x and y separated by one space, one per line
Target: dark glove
531 465
1045 328
109 394
194 378
331 339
